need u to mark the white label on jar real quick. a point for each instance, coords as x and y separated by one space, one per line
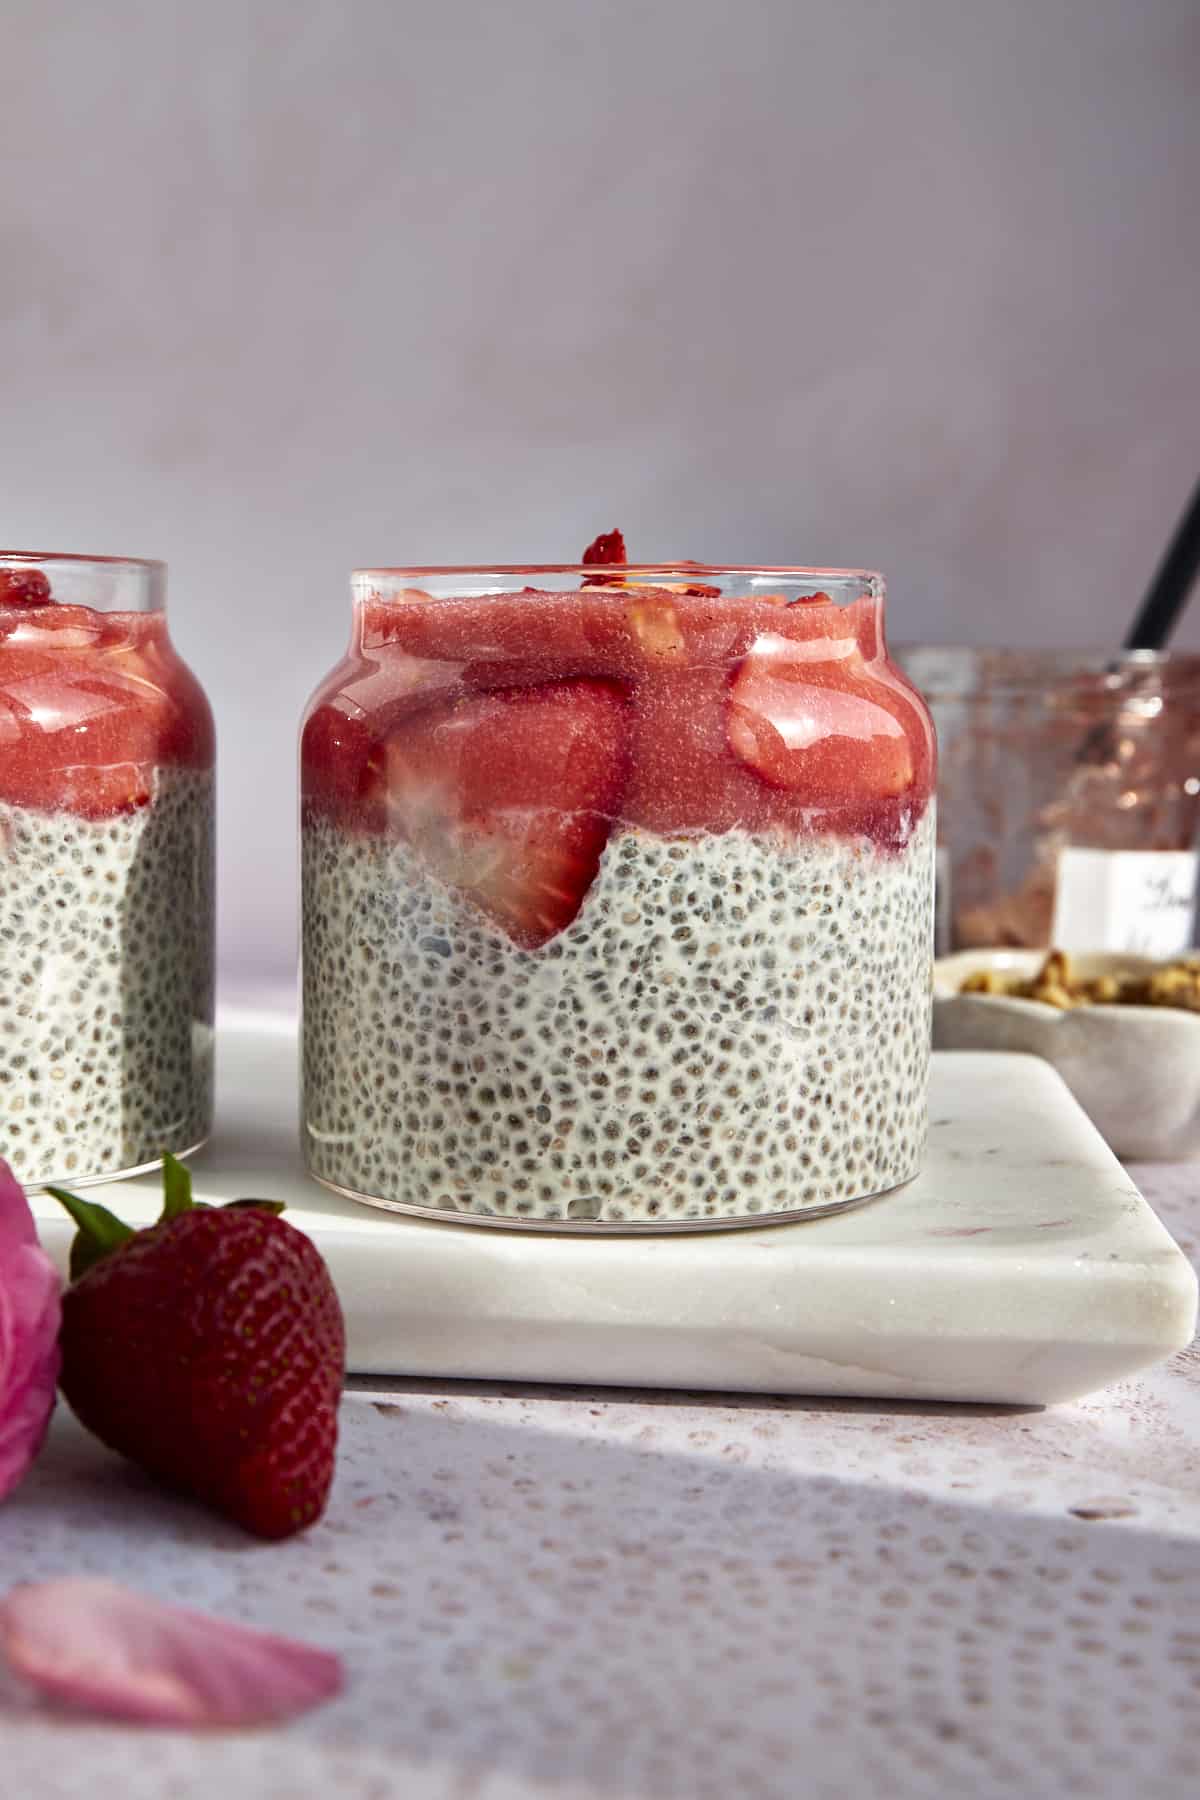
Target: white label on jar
1140 901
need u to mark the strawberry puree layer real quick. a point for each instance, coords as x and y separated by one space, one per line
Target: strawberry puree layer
91 705
736 712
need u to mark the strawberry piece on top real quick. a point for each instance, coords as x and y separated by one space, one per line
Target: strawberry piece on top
25 587
605 550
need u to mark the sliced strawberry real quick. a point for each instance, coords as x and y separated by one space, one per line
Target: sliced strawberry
532 630
335 747
25 587
684 652
816 616
411 618
524 639
813 718
51 630
509 797
702 759
93 703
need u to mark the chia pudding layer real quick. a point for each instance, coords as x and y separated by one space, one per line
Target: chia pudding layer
106 982
734 1024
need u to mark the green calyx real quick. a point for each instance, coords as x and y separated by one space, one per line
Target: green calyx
99 1232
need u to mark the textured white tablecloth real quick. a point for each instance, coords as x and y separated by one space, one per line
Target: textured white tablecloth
613 1596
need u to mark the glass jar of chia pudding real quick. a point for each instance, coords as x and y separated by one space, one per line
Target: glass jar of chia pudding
1070 797
617 898
106 874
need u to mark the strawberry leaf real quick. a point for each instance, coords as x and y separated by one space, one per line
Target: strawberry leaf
100 1232
271 1206
177 1189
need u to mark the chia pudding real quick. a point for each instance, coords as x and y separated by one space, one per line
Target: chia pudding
617 899
106 875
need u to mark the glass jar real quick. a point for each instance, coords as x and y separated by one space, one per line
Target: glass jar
617 898
1069 797
106 874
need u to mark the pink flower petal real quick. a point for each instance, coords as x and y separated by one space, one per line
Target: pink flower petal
100 1648
29 1320
16 1220
29 1357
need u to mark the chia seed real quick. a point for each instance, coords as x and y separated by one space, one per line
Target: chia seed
418 1088
106 984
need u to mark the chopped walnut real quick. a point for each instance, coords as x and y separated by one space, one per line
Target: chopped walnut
1175 984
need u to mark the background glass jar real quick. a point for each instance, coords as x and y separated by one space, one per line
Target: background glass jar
106 874
617 896
1069 796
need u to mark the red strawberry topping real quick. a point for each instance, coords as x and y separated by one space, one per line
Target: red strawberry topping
749 711
608 548
334 750
25 587
812 718
510 796
91 704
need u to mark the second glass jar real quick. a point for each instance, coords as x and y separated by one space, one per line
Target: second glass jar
617 898
1070 797
106 874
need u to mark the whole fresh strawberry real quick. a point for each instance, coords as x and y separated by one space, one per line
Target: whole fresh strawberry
209 1349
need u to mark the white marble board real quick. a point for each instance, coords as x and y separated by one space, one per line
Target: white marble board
1021 1266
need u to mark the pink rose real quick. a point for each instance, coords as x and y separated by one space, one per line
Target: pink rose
29 1318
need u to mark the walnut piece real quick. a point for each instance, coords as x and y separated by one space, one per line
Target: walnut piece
1175 984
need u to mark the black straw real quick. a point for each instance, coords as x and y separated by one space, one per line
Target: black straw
1159 611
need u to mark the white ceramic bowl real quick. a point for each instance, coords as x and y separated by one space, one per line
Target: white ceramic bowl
1135 1070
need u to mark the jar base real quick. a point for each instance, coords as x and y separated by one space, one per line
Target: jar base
86 1181
442 1215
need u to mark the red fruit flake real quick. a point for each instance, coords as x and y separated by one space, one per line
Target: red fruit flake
608 548
509 796
25 587
210 1351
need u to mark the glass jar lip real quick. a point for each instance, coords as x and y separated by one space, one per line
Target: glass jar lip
941 668
74 557
869 578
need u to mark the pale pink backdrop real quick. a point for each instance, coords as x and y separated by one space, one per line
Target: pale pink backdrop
290 285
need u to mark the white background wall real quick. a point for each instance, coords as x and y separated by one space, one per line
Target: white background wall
296 284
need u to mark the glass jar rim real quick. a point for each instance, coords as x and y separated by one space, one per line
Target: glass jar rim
981 667
111 584
9 558
870 579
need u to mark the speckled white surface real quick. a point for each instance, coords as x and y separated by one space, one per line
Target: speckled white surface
1021 1265
676 1596
673 1596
